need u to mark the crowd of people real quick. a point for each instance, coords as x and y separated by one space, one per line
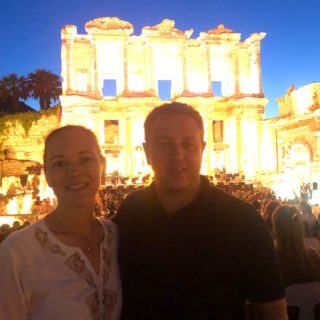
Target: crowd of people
183 248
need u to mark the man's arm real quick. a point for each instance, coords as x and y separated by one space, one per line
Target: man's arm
271 310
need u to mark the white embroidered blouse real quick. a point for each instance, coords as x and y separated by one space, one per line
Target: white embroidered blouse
42 278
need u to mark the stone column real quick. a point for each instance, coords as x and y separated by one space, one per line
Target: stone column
235 60
95 74
239 141
257 65
68 46
209 70
128 148
315 171
151 84
184 67
125 65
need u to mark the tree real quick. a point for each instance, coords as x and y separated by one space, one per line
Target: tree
44 86
12 89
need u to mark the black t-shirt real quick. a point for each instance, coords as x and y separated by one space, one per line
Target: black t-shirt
201 262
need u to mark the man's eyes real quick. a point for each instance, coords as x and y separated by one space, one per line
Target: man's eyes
188 143
163 143
184 144
86 159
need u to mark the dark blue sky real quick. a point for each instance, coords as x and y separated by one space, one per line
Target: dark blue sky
290 53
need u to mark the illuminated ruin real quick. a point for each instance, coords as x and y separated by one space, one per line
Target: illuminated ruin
216 73
298 139
112 79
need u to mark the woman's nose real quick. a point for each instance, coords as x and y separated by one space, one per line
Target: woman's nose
73 168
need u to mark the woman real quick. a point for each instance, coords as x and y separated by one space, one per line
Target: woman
298 263
268 210
64 266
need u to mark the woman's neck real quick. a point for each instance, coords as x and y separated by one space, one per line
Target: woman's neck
66 219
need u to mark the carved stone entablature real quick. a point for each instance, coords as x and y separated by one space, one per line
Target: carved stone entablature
221 33
109 25
194 42
254 38
187 93
238 96
134 94
297 124
166 29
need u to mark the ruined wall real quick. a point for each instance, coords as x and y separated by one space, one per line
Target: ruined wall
22 138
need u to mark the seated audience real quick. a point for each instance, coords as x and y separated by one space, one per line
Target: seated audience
298 263
306 213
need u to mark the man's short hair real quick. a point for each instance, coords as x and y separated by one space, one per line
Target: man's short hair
173 108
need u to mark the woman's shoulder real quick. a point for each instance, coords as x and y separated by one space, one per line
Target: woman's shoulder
108 225
24 233
21 239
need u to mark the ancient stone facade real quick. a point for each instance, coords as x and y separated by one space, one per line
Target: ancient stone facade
21 143
216 73
298 136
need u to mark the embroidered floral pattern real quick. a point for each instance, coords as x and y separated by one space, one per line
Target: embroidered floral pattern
78 265
109 302
93 302
44 241
107 258
109 234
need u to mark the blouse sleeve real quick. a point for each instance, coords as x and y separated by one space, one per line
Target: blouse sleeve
12 299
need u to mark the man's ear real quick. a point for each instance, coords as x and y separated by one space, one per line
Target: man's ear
146 149
203 145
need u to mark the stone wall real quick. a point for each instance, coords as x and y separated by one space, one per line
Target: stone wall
22 138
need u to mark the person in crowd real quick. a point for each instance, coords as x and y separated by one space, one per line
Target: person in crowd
306 213
298 263
64 266
316 228
5 230
268 211
187 249
308 239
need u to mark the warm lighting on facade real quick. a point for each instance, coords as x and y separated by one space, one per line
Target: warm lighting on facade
137 64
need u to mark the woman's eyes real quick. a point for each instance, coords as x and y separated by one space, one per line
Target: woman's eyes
59 164
64 163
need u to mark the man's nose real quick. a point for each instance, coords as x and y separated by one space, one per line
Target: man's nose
177 151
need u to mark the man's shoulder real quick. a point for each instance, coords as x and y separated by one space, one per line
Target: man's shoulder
136 197
226 200
133 205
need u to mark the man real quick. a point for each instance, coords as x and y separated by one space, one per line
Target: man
187 249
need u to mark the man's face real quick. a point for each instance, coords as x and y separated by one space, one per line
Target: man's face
174 150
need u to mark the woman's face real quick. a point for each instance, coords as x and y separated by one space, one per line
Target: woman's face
73 167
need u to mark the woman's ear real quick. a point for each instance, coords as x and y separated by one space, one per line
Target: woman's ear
103 169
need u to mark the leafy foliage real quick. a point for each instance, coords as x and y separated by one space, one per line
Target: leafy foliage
42 85
26 119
